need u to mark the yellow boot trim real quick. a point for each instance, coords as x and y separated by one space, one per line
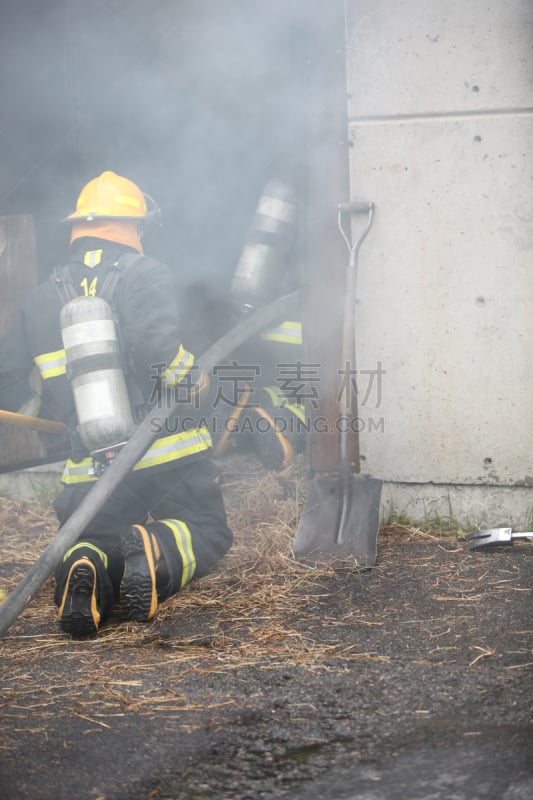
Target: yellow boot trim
288 452
233 417
157 549
280 400
90 546
149 552
94 609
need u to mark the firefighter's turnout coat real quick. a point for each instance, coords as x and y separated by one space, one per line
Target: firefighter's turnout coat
156 362
175 484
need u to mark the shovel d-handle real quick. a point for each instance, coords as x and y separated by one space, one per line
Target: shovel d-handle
356 207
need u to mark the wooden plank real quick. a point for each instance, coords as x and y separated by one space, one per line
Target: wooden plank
18 274
326 253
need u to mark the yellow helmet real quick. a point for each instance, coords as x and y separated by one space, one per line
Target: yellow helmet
109 196
112 207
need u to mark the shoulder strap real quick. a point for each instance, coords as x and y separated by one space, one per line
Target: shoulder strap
124 262
62 278
63 283
108 292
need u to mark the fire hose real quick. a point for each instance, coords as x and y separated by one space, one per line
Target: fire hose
125 460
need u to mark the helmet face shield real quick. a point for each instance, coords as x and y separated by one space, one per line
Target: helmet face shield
153 211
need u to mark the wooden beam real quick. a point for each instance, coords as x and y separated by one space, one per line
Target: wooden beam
18 274
326 254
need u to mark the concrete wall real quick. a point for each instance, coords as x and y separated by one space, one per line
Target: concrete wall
36 485
441 123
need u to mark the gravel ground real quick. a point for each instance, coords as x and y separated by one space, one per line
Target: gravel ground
269 679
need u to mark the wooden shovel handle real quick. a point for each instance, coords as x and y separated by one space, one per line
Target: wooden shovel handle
36 424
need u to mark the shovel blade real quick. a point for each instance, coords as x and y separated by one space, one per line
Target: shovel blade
339 521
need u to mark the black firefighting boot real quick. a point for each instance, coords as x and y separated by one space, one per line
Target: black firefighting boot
158 562
278 428
84 592
270 440
225 427
138 588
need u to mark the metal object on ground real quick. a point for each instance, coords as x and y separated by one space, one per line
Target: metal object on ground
132 451
495 536
340 518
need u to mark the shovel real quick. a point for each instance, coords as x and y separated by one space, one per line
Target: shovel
495 536
340 517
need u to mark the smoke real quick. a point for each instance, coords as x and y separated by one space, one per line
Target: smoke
198 101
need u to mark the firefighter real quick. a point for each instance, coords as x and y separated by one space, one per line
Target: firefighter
165 525
258 405
264 411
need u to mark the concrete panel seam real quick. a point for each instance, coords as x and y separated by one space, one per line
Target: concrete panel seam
438 115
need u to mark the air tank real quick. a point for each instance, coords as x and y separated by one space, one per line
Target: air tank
258 277
94 369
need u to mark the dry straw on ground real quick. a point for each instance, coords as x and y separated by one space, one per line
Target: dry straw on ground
258 578
257 609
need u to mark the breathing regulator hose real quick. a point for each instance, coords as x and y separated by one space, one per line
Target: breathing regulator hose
125 460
